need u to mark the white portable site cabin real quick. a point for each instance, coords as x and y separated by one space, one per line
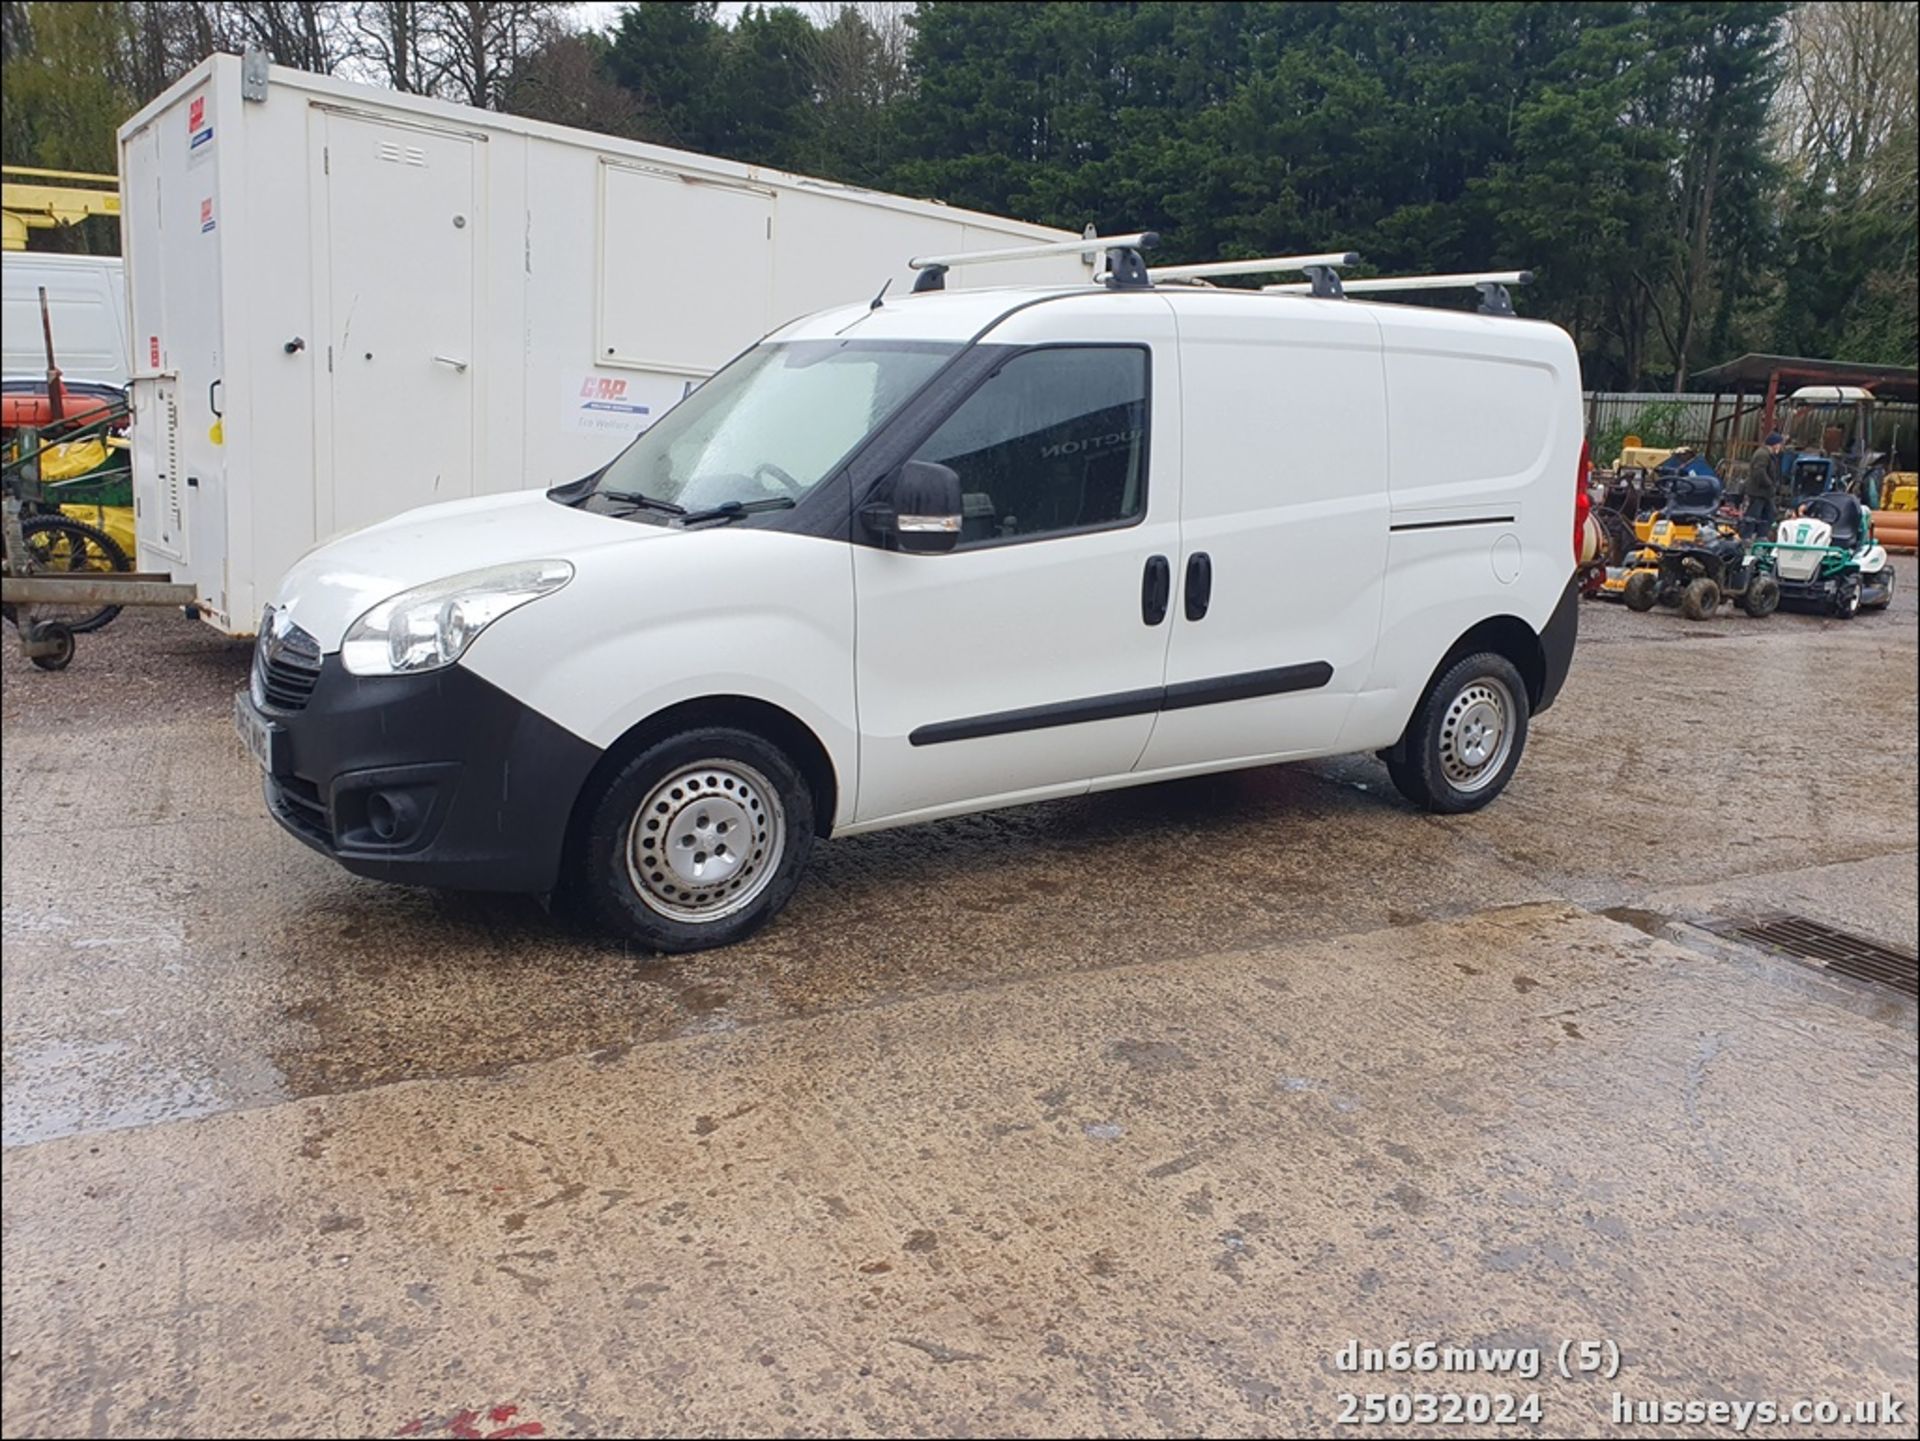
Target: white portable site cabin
348 302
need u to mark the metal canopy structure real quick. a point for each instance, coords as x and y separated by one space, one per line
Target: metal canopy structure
1767 374
1757 372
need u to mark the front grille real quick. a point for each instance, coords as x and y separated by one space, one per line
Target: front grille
1797 564
286 665
298 803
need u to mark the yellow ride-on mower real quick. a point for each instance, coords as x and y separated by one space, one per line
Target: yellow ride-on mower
1689 515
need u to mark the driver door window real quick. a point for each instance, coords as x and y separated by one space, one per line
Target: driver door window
1054 442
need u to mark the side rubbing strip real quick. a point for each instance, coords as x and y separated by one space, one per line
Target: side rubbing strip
1245 686
1039 717
1450 524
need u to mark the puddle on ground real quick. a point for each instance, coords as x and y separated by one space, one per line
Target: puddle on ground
1651 923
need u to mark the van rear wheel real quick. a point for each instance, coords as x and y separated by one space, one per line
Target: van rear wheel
698 840
1465 738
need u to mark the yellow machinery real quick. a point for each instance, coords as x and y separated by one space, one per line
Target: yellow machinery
1896 525
1690 512
1655 533
35 199
77 459
1643 457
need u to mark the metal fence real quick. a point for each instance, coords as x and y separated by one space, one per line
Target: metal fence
1722 429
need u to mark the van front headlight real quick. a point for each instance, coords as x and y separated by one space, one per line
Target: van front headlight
432 625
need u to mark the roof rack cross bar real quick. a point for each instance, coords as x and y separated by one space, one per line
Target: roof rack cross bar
933 268
1492 285
1267 265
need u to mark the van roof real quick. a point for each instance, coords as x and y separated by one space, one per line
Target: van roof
962 315
58 260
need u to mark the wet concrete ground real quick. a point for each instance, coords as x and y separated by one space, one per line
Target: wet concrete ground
1114 1114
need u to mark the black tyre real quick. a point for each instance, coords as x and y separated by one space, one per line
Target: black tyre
1700 599
1883 588
64 546
1846 597
1642 587
697 841
1762 598
1465 738
60 637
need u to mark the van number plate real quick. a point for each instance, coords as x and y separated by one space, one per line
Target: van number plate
264 740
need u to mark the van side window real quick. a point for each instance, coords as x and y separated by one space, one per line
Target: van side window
1054 441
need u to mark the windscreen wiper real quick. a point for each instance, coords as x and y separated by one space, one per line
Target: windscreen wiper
734 509
645 502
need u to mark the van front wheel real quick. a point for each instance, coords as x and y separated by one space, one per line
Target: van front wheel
698 840
1465 739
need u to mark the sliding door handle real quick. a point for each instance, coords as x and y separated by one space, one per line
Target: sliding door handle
1199 584
1156 589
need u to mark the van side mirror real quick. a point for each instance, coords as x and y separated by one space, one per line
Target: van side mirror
921 508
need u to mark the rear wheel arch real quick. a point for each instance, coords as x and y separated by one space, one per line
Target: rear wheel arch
1504 635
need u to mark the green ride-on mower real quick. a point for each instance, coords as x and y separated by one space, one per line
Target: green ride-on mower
1825 558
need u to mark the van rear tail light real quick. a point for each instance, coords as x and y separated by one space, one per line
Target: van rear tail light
1582 500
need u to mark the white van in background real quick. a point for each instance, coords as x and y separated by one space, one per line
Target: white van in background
87 300
937 554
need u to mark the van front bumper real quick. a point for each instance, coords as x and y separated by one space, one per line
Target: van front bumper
437 780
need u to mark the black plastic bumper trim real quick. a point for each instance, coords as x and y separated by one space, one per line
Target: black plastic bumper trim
1246 685
490 782
1556 645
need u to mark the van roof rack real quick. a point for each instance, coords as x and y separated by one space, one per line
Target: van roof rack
1492 285
1320 270
1125 268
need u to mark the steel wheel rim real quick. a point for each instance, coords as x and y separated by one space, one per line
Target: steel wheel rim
1476 734
706 841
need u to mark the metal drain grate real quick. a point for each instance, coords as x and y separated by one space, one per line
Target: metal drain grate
1837 951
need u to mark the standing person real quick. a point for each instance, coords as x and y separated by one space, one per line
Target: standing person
1763 479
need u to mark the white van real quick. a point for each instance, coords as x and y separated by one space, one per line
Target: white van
87 305
936 554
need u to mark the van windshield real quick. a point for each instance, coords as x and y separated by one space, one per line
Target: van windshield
773 424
